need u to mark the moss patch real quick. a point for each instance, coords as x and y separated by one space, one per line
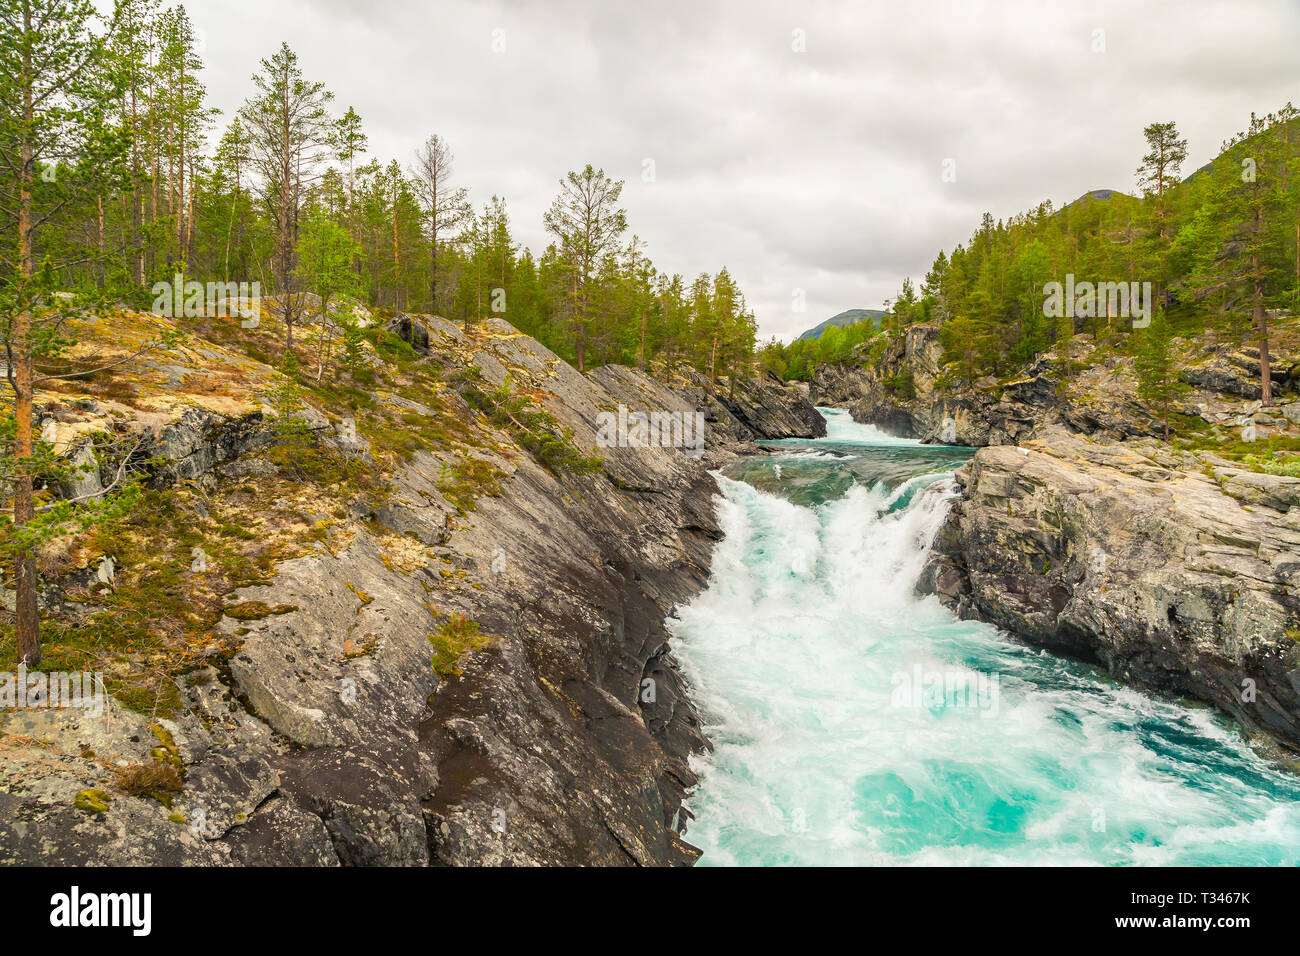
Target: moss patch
92 801
457 636
469 479
256 610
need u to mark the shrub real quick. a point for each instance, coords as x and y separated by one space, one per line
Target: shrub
455 637
1272 465
535 429
157 779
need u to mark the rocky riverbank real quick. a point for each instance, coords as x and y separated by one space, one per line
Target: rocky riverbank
1078 529
307 725
909 391
1169 571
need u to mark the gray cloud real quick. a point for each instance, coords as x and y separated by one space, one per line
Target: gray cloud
817 170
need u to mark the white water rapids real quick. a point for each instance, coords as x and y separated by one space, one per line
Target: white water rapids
855 723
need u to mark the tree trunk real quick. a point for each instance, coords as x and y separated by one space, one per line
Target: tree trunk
322 351
26 620
579 331
180 168
286 171
189 217
397 265
1265 372
137 252
171 168
230 228
99 243
433 273
153 152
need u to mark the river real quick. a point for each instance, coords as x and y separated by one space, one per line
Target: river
856 723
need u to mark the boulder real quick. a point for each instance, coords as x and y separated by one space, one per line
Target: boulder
1134 558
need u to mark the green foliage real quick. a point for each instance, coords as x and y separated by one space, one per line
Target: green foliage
837 345
467 480
92 801
535 429
1153 363
60 515
1272 465
1218 248
354 355
901 384
286 195
456 636
294 443
390 346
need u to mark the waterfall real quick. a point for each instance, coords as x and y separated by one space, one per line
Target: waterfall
856 723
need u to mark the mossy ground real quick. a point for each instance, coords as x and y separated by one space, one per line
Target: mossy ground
157 620
455 637
92 801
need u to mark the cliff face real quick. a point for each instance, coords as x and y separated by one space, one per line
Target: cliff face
451 672
1174 570
909 392
1135 559
769 408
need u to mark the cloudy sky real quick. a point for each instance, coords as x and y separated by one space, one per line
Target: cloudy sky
800 144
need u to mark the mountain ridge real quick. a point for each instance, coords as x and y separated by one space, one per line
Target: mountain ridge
842 319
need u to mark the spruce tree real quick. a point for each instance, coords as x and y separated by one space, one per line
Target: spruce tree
58 146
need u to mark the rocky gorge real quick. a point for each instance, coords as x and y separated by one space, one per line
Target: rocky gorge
304 723
1079 529
457 653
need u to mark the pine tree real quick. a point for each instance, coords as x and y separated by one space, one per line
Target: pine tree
1153 363
1245 201
325 256
349 142
588 221
187 120
57 147
130 53
230 173
1156 176
289 129
445 207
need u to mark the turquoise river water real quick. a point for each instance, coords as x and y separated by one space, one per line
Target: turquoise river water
855 723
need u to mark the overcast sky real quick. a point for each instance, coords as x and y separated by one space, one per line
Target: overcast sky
807 160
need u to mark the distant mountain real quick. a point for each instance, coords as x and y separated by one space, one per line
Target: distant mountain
847 317
1092 194
1098 194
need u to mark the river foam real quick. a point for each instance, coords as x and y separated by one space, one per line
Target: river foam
855 723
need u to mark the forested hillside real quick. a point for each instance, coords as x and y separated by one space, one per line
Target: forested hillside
118 173
141 228
1219 249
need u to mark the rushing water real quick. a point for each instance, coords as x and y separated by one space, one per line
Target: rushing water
854 723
